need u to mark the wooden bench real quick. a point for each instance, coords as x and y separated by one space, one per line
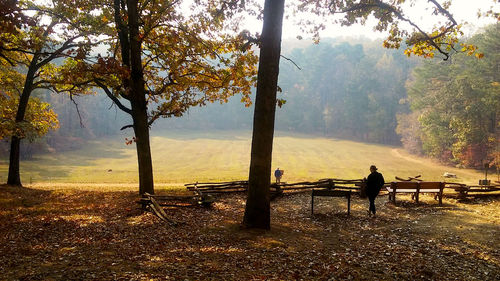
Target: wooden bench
416 188
331 193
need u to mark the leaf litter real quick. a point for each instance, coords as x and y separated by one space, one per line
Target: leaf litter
90 235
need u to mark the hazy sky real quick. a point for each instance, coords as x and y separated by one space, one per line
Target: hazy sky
462 10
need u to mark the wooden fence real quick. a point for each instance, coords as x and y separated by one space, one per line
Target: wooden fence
276 188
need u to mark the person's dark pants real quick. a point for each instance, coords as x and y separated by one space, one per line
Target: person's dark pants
371 197
372 203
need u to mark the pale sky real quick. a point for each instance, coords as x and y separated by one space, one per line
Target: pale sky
462 10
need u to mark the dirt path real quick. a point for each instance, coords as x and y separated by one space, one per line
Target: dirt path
395 152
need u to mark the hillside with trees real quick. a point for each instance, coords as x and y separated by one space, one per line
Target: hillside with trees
455 106
357 99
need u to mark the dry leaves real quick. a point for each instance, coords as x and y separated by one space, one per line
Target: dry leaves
76 235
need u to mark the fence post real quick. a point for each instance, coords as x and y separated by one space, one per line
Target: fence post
312 202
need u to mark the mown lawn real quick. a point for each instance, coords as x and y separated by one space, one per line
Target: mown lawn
181 156
70 234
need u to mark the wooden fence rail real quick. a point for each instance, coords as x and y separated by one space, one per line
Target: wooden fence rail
355 185
276 188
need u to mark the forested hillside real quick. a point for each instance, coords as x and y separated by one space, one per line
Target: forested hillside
336 88
456 106
342 88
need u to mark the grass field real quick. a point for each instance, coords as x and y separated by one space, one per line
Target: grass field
180 157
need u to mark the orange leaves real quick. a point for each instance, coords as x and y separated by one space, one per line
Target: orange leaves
200 69
394 39
470 50
422 49
130 141
110 66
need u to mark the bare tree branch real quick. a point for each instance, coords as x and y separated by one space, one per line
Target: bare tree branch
290 60
77 110
126 127
113 97
58 52
384 6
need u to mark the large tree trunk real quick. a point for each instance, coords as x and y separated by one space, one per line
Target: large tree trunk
139 103
257 210
14 174
15 144
141 130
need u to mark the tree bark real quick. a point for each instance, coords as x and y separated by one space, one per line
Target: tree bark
14 177
145 164
257 210
14 174
139 104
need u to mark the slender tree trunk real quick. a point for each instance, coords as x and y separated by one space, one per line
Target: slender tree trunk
257 210
145 164
139 103
14 177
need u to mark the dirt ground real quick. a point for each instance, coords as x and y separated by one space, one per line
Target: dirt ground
90 235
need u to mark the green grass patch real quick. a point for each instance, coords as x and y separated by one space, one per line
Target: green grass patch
181 157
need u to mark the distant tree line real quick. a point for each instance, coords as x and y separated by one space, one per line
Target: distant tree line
335 88
346 91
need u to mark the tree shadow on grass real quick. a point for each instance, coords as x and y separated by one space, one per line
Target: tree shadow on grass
480 198
13 197
60 165
83 156
201 135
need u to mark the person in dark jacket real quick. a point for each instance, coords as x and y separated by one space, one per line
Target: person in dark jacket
278 174
374 183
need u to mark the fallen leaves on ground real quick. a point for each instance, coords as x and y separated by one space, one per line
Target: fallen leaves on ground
90 235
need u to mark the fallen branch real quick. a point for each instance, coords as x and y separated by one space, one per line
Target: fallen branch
158 210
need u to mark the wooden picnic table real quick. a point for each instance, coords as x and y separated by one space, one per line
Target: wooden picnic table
331 193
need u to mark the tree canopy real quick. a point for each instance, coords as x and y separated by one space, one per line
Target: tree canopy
159 63
35 35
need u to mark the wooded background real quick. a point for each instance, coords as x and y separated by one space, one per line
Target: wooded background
344 88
